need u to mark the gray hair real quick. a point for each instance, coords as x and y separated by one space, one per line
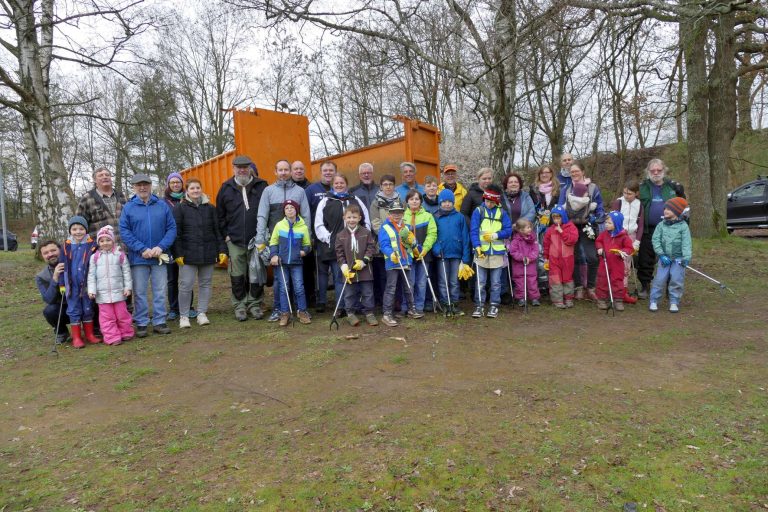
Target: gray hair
98 170
656 161
365 165
407 164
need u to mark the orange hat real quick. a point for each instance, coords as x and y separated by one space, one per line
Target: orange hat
676 205
450 168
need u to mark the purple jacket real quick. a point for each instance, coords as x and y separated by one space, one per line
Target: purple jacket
523 246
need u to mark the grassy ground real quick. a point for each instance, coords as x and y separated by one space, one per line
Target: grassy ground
572 410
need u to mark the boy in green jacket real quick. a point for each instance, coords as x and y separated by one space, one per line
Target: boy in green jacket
672 242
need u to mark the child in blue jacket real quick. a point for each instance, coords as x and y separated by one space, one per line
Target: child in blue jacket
289 243
76 256
451 251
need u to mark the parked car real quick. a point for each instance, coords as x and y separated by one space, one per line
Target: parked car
13 244
34 238
748 205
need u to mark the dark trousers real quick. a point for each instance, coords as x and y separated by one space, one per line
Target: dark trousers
646 257
310 287
379 279
394 277
585 251
51 314
359 296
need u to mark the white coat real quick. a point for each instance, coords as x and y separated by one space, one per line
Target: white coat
107 277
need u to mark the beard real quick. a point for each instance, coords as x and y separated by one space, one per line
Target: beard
657 180
243 180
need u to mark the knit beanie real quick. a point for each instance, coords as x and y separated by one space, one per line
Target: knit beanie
580 189
77 219
106 231
676 205
492 193
291 202
446 195
174 175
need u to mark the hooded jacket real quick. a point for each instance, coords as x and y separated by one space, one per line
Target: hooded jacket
560 245
76 258
472 200
422 224
458 194
523 246
271 207
288 240
198 239
673 239
503 228
329 220
452 236
108 275
617 238
236 220
144 226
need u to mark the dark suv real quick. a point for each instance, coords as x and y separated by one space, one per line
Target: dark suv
748 205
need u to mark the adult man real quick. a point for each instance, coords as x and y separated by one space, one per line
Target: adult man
47 281
655 190
450 182
299 175
408 172
102 205
148 231
564 176
317 191
271 212
237 206
367 188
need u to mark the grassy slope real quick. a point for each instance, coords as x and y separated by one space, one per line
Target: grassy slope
669 411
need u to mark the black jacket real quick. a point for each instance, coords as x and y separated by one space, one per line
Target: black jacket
198 238
234 220
330 215
473 200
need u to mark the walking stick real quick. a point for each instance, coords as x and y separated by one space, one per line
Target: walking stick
287 293
479 296
525 286
435 302
55 349
633 270
450 311
722 286
407 283
334 321
509 275
610 288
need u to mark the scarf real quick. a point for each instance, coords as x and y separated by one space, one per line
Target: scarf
398 228
242 189
177 195
515 206
340 195
353 241
546 189
565 173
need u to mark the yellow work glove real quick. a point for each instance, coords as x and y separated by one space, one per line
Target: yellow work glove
222 259
489 237
546 265
411 239
479 254
180 261
261 247
163 258
394 258
359 264
348 275
62 289
416 254
544 220
465 272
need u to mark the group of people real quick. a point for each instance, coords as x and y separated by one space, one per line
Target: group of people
401 247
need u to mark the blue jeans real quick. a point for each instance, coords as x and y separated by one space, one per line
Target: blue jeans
294 274
322 280
675 274
418 278
452 285
495 274
142 275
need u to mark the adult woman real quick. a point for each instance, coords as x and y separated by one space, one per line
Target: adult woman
516 201
475 193
198 247
380 205
174 193
329 221
584 204
545 190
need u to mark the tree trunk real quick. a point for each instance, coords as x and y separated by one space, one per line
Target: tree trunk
744 101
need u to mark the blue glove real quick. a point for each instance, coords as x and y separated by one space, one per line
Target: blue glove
665 261
682 262
592 219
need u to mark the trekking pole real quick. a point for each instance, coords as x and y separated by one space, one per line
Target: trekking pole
722 286
525 286
435 303
407 283
477 274
610 288
449 312
287 293
509 275
633 271
55 349
334 321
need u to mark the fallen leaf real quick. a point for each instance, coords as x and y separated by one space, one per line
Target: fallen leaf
497 392
691 447
351 336
398 339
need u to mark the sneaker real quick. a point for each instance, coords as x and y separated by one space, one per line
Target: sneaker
371 319
521 303
457 311
602 305
590 295
241 315
399 315
353 320
673 308
618 305
493 311
192 313
320 307
274 317
161 329
173 315
389 320
535 303
568 303
257 313
304 317
653 306
141 331
415 314
559 305
184 322
284 318
478 312
202 319
579 293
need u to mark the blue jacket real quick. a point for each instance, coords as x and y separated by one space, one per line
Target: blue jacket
144 226
452 236
504 232
403 189
76 258
527 208
288 241
388 247
315 193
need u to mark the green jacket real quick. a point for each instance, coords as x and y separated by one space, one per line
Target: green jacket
669 189
673 239
423 226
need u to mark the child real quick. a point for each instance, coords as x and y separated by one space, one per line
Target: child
524 249
672 242
431 201
110 283
489 226
288 244
632 209
422 225
614 246
559 241
451 250
75 255
397 243
355 247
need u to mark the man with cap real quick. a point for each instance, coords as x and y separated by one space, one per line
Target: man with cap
408 172
102 205
655 190
270 212
237 207
148 230
450 182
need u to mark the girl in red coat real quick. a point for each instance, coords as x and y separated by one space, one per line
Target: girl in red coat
524 249
614 246
559 241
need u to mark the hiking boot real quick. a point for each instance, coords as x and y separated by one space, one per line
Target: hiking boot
173 315
629 299
478 312
304 317
568 303
412 313
371 319
184 322
559 305
618 305
602 305
283 318
643 292
353 320
141 331
274 317
256 313
653 307
77 340
535 303
192 313
579 293
493 311
241 315
673 308
388 320
521 303
202 319
320 307
590 295
161 329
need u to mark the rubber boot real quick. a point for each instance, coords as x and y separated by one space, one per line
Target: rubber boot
77 340
629 299
89 336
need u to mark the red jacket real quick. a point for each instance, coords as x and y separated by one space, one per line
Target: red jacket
560 245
